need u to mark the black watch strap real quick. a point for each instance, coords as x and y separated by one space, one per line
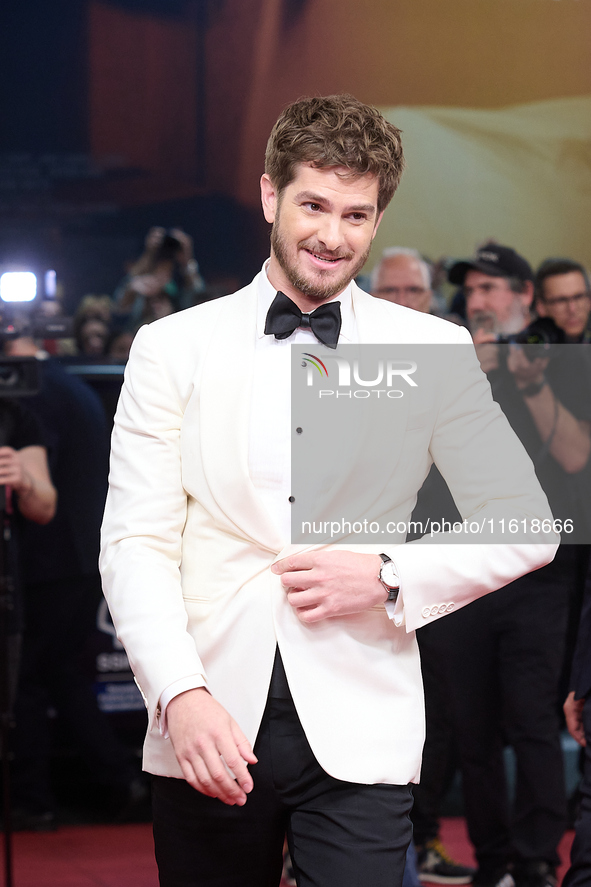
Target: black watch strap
391 590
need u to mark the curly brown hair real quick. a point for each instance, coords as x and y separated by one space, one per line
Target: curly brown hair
335 130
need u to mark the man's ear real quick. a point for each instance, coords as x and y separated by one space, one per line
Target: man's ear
527 294
375 230
540 307
268 198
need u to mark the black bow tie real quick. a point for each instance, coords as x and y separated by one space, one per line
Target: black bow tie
284 316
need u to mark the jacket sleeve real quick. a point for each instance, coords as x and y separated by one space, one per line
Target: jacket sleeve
143 525
493 482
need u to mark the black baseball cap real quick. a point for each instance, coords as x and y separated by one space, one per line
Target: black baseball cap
493 259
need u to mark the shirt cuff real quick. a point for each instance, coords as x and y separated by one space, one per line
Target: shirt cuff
192 682
395 609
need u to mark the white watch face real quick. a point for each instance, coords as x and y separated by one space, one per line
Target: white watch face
388 575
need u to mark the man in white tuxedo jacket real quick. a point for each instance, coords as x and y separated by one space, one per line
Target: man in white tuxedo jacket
240 640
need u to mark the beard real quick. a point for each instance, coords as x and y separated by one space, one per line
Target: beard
314 287
516 319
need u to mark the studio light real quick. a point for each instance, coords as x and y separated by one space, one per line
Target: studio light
50 285
18 286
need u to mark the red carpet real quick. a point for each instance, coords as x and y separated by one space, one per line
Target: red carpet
122 855
455 839
86 856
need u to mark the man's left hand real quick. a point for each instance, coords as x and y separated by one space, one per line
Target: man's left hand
324 584
13 472
525 372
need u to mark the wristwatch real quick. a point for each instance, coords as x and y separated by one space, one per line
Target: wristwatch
532 389
388 578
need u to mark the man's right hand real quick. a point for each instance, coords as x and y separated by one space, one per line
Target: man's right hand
573 713
486 350
203 736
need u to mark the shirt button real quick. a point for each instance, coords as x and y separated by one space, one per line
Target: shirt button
299 430
292 498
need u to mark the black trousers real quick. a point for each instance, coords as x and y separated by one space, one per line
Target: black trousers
338 832
440 755
505 655
579 873
59 617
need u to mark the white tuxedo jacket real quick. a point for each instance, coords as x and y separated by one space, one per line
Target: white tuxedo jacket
187 546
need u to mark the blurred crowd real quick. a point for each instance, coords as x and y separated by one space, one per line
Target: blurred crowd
496 673
163 280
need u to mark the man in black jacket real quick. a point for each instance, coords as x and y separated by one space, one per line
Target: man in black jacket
504 654
61 591
577 710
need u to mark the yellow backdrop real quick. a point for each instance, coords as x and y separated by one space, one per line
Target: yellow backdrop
520 174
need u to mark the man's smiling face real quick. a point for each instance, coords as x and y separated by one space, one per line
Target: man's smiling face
324 222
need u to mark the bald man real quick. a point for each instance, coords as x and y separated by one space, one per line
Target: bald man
403 277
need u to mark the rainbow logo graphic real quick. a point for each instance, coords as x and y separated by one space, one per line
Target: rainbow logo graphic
314 361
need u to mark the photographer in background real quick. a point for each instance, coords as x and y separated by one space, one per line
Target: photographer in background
27 495
165 279
403 277
499 288
505 652
563 296
61 593
23 463
577 710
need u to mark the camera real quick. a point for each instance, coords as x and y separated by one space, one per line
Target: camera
541 335
169 248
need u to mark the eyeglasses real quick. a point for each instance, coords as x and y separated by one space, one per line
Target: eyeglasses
396 290
563 301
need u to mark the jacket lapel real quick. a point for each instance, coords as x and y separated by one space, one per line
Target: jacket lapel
225 411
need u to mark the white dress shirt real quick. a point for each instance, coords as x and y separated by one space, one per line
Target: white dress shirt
269 444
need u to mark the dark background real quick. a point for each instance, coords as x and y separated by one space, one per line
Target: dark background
116 115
